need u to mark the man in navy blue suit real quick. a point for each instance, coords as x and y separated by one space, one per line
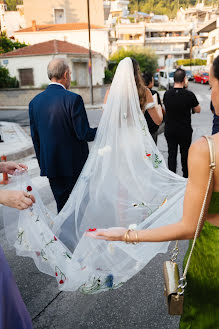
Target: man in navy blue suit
60 131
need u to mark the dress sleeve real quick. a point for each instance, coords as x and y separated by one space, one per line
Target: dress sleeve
80 121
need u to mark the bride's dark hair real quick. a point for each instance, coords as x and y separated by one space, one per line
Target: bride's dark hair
140 84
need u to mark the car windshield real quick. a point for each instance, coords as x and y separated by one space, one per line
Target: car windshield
171 74
188 72
205 74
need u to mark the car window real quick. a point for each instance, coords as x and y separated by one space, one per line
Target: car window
205 74
171 74
165 75
161 74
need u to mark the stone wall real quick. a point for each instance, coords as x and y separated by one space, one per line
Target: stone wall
22 97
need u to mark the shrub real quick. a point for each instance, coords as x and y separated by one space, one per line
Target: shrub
73 83
108 76
146 58
193 62
6 81
44 86
7 44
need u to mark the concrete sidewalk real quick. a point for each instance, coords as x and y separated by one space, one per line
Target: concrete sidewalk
17 144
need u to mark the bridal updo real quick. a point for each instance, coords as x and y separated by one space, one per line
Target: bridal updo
140 84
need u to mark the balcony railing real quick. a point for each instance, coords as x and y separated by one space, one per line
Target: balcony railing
130 42
208 48
167 39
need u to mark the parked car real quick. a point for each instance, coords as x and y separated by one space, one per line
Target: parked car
166 79
156 79
189 75
202 77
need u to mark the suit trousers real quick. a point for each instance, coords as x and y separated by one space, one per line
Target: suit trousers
183 140
61 188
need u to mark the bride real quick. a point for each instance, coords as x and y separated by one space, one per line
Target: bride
124 182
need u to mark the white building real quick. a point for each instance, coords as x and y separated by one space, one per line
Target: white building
11 21
29 64
76 33
114 10
167 39
211 46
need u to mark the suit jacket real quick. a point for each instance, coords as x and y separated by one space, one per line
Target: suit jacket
60 131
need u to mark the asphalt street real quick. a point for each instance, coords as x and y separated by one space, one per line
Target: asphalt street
137 304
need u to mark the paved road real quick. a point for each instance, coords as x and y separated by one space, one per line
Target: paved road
138 304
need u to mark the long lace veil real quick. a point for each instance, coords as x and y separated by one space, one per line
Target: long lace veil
124 181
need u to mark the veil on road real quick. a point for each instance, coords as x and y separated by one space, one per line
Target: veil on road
124 181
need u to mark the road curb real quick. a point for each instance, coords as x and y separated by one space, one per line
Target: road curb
25 108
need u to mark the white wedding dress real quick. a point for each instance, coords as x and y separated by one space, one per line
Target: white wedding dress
124 181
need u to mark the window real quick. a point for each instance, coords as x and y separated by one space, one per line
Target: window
59 16
26 77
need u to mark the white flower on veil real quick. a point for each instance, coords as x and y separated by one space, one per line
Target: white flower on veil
104 150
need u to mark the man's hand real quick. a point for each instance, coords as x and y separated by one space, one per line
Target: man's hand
9 167
16 199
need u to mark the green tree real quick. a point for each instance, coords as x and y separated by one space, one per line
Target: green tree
7 44
164 7
11 4
6 81
146 58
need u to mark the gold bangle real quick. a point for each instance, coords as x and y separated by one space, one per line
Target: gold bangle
127 237
136 237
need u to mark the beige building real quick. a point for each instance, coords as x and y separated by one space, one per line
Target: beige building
167 39
211 45
63 11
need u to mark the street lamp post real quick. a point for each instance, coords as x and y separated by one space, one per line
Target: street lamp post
90 55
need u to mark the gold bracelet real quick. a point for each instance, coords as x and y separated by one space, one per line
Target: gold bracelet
127 237
136 237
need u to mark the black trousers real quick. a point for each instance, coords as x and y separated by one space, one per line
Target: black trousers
61 188
182 139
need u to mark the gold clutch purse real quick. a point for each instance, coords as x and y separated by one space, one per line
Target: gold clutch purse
173 284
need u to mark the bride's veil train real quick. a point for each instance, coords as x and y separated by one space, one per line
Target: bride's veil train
124 181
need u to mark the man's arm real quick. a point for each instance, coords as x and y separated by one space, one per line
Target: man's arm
196 108
80 121
34 133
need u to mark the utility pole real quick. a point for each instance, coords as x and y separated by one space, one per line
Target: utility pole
90 54
190 52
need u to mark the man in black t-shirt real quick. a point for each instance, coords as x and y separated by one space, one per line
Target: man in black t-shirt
153 128
179 103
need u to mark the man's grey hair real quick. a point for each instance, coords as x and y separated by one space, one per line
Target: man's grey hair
57 67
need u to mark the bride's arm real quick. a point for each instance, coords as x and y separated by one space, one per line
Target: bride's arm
198 165
155 112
